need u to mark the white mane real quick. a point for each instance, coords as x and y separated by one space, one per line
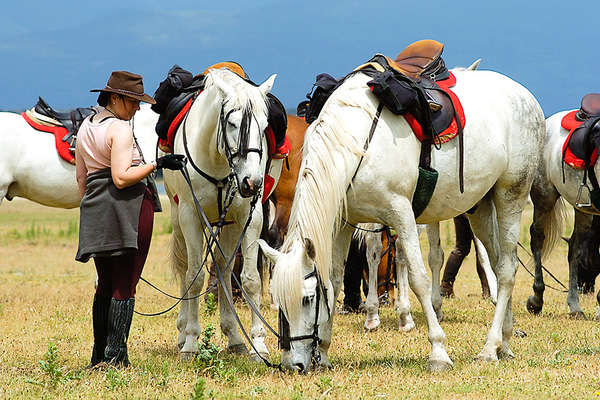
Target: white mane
332 149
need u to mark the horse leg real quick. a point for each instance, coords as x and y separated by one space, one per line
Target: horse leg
373 249
405 319
341 246
483 224
509 199
252 284
546 212
403 221
192 282
435 261
578 258
228 323
178 255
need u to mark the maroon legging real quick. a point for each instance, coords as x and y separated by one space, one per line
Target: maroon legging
118 275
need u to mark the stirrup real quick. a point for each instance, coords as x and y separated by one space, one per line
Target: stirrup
578 202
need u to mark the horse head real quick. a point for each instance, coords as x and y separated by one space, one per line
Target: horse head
305 303
241 126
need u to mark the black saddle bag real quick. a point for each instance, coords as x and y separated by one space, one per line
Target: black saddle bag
398 96
322 89
277 119
177 79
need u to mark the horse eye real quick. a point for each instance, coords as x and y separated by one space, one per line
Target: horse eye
306 300
231 124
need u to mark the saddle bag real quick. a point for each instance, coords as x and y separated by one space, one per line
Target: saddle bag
277 119
177 79
323 87
398 96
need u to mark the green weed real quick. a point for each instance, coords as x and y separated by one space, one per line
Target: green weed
116 378
210 305
54 373
71 231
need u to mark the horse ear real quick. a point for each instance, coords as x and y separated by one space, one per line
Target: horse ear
475 65
267 85
227 90
310 249
270 252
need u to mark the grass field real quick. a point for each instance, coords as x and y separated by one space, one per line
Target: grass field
46 334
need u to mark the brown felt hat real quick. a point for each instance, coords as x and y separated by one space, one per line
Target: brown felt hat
126 84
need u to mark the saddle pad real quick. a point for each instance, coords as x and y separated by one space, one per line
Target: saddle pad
59 132
571 123
452 130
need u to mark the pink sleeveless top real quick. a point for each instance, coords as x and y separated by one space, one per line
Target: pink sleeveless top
94 147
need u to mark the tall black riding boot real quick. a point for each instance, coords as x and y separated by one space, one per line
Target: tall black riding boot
119 322
100 323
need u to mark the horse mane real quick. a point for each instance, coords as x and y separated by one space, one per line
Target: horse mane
331 154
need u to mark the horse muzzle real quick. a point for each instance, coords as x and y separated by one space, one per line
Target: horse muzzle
250 186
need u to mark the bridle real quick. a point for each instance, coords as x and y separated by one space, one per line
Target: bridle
241 151
285 340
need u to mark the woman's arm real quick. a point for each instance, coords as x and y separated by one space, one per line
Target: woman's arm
80 170
120 139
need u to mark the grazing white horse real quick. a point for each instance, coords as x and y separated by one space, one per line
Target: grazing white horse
435 261
215 134
30 166
503 138
547 193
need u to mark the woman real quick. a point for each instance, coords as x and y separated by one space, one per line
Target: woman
116 211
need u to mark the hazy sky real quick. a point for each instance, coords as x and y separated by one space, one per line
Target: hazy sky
61 49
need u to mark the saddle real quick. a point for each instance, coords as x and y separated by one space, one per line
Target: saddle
63 124
579 149
70 119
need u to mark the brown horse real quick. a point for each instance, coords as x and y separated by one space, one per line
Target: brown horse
283 195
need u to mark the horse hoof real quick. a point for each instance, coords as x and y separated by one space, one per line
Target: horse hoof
577 315
505 353
440 315
438 365
486 357
407 326
533 306
325 364
238 349
186 355
371 325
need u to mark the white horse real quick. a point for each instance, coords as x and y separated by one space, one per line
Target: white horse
215 138
435 261
30 166
547 193
503 138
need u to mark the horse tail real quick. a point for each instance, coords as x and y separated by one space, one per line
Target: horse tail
177 254
553 227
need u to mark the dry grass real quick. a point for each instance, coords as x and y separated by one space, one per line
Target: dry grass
45 296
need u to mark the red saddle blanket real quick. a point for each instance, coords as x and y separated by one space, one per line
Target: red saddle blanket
274 152
452 130
59 132
571 123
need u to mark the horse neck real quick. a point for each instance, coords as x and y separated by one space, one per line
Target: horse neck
202 126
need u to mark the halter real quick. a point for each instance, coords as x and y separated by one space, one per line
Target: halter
285 339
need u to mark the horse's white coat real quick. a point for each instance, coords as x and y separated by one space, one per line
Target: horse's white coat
223 89
30 166
503 138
